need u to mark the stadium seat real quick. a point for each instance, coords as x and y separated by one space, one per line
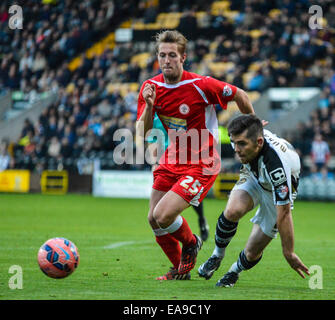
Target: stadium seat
141 59
220 68
219 7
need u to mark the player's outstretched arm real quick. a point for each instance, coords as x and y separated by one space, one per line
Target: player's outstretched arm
243 102
286 231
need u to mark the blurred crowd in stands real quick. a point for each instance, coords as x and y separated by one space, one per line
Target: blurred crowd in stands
272 38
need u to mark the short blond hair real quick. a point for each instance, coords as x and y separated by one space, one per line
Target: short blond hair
171 36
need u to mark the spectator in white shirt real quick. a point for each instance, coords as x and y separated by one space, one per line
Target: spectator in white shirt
4 156
320 152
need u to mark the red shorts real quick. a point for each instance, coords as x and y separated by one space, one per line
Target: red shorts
192 185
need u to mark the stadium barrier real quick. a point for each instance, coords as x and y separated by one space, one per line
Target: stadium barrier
223 184
135 184
122 184
316 189
66 182
15 181
54 182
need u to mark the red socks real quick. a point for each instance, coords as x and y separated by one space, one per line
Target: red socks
184 234
169 242
171 248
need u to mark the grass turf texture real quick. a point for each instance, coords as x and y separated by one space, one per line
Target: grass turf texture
119 258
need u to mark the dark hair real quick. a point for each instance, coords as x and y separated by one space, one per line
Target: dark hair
248 122
171 36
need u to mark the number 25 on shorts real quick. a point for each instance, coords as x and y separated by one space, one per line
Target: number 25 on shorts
194 188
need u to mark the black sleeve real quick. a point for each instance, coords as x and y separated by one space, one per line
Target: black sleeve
278 177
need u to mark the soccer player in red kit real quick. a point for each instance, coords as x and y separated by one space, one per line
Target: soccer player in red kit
184 102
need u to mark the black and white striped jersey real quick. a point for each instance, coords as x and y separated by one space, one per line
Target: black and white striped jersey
276 168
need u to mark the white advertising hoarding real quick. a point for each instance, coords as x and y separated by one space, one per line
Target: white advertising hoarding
299 94
122 184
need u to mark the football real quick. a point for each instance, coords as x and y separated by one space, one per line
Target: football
58 257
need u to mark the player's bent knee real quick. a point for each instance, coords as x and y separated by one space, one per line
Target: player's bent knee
234 214
158 216
163 217
151 219
153 223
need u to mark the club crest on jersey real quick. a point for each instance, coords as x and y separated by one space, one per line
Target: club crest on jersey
282 191
241 181
227 91
184 109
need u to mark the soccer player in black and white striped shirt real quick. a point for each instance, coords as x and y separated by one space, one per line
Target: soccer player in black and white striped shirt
269 178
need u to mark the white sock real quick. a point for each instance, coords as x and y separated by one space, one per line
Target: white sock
174 226
159 232
219 252
235 268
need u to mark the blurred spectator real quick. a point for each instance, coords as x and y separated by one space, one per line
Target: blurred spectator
249 17
40 150
330 15
51 129
320 153
69 134
150 13
104 108
322 174
54 147
268 79
188 24
5 158
130 101
26 61
13 80
28 143
282 51
39 64
66 148
27 126
201 49
256 82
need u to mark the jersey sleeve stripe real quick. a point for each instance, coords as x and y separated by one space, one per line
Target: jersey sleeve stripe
201 93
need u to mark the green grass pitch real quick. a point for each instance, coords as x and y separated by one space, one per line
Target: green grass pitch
119 258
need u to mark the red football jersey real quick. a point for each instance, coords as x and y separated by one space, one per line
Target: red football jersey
187 112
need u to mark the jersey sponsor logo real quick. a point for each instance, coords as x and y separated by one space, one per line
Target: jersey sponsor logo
174 123
184 109
227 91
277 176
282 191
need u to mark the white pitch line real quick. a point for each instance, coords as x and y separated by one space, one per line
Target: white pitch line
125 243
118 244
